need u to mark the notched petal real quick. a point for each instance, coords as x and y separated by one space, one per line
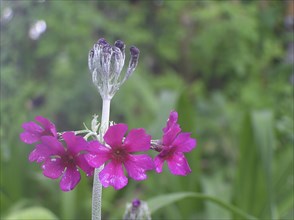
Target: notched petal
184 143
178 164
158 162
137 140
113 175
53 168
70 179
137 165
114 135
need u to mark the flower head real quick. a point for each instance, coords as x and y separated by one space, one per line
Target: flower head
106 63
173 144
138 209
33 131
62 161
118 153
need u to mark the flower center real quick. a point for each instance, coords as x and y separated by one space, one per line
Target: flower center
166 152
119 155
68 160
46 133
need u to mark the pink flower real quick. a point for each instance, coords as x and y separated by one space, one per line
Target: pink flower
118 152
173 144
33 131
62 161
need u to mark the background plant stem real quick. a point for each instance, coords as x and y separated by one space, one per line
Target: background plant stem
97 186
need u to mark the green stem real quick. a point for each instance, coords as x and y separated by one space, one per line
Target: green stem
97 186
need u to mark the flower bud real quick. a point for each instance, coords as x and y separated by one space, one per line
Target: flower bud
134 51
106 63
102 42
137 210
121 45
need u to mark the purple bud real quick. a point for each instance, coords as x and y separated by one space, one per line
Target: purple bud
136 203
137 210
134 51
106 49
102 42
120 44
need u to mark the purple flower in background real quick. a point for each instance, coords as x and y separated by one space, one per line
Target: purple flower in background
173 144
33 131
60 160
118 152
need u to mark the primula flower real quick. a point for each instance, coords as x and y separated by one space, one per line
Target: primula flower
33 131
118 152
62 161
172 146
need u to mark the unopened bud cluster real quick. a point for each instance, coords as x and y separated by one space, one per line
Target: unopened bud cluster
137 210
106 63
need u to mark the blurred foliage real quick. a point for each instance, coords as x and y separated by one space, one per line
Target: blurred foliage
220 64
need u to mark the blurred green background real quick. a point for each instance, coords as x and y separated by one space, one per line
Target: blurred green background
225 66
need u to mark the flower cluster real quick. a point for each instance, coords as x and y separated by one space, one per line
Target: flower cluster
172 146
59 158
66 154
106 63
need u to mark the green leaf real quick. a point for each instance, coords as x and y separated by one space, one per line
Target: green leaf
187 120
254 172
32 213
262 122
164 200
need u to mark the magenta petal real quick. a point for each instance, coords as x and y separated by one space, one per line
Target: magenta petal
158 162
114 135
178 164
137 165
95 160
52 143
32 127
97 147
171 130
75 144
70 179
53 168
48 125
137 140
184 143
49 146
113 175
40 153
37 155
171 121
84 165
98 154
170 135
29 138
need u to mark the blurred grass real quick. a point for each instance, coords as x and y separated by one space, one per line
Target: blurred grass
220 64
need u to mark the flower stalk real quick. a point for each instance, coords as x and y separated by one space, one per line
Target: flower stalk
105 64
97 186
112 150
